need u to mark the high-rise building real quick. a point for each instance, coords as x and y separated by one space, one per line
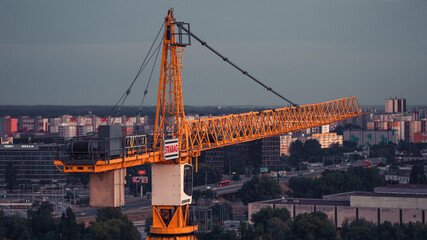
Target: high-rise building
83 130
41 124
270 152
285 143
8 126
395 105
34 163
67 131
2 126
25 124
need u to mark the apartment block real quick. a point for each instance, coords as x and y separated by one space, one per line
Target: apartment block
370 137
41 124
327 139
25 124
395 105
8 126
67 131
270 152
285 143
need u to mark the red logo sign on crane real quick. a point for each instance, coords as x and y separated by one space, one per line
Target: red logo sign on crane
171 149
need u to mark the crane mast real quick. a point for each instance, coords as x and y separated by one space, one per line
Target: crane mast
177 142
170 116
172 181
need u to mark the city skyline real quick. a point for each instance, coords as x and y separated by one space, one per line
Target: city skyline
87 53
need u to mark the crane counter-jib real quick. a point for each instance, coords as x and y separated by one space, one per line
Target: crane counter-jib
231 129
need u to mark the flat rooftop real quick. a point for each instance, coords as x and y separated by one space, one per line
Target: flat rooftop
307 201
373 194
407 189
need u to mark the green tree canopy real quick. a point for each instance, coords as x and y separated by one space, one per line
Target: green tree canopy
313 226
312 148
359 229
331 182
258 189
40 219
112 224
15 227
68 228
418 175
217 233
271 223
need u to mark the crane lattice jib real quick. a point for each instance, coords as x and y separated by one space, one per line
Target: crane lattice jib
227 130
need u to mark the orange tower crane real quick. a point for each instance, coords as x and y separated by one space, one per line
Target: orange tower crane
178 142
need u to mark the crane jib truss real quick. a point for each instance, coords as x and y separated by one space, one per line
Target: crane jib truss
227 130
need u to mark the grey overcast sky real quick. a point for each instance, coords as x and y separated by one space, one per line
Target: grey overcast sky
87 52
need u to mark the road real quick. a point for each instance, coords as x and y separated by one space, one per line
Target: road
133 204
234 186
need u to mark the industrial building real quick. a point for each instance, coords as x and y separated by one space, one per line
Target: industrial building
233 157
395 204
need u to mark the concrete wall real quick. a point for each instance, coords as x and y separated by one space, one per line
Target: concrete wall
390 215
369 214
345 213
101 192
255 207
421 203
290 208
388 202
412 215
300 209
328 210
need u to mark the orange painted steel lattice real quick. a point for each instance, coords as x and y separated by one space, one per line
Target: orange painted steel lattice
232 129
226 130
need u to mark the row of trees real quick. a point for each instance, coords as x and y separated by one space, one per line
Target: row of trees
331 182
418 175
390 149
40 224
259 189
276 224
311 150
360 229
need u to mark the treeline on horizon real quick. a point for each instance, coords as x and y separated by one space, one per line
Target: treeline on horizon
50 111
